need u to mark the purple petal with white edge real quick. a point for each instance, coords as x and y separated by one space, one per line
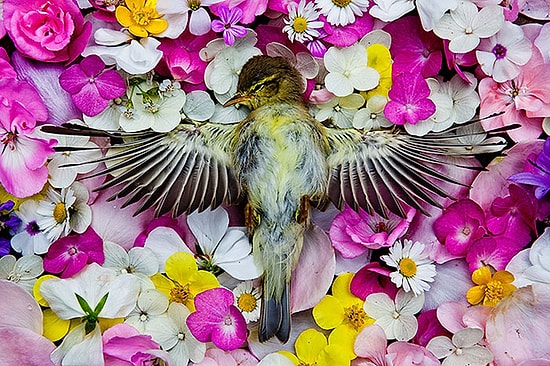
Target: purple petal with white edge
21 346
73 79
231 333
110 84
314 272
19 308
45 77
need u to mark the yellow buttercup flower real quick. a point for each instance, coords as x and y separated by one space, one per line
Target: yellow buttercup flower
312 348
491 288
184 279
141 17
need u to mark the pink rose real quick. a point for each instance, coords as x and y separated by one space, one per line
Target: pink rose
47 30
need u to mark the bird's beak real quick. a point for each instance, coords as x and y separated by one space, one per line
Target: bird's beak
237 98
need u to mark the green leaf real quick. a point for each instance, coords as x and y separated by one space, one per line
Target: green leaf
100 304
84 305
89 326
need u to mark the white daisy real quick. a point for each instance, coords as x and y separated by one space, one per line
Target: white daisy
59 213
247 300
414 268
342 12
303 22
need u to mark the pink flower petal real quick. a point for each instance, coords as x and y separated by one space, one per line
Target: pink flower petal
19 308
21 346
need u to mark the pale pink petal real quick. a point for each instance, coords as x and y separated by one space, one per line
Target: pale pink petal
314 272
21 346
371 343
19 308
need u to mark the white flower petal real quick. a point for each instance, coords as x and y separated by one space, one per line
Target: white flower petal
467 337
489 21
441 346
164 242
208 227
199 106
115 256
378 305
80 349
143 260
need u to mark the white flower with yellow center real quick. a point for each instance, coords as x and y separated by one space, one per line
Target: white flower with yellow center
342 12
59 213
302 23
414 268
247 300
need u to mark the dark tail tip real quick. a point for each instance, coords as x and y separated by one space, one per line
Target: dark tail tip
275 318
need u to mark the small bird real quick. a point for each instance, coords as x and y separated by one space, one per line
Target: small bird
281 162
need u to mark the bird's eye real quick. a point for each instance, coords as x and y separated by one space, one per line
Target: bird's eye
257 87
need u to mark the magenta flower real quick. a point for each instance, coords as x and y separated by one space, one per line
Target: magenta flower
371 279
513 216
461 224
228 24
70 254
413 49
47 30
428 327
353 233
124 345
409 101
217 320
494 251
90 86
22 155
538 172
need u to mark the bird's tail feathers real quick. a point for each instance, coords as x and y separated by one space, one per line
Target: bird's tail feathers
275 316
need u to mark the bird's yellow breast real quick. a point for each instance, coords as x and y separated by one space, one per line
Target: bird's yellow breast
280 157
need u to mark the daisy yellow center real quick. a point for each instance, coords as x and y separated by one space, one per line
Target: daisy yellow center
247 302
407 267
180 293
59 213
341 3
299 25
494 291
356 316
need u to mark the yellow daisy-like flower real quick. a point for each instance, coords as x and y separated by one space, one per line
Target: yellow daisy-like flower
184 279
343 312
313 348
141 17
491 288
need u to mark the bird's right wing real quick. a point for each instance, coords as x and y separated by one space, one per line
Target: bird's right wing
187 169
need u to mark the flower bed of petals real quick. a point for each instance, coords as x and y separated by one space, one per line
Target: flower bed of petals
84 281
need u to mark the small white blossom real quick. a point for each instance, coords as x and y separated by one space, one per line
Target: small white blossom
463 349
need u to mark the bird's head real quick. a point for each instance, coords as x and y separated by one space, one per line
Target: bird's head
265 80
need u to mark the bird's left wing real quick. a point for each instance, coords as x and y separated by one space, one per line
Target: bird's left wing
189 168
383 170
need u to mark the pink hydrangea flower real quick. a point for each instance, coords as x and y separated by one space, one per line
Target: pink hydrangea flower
495 251
47 30
91 86
123 345
353 233
345 36
217 320
70 254
23 155
6 70
409 101
461 224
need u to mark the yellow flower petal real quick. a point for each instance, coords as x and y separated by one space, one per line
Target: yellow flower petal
341 289
156 26
508 289
329 312
309 344
36 289
344 337
503 276
475 295
55 328
333 355
291 357
162 283
379 58
202 281
124 16
105 323
482 276
138 31
180 267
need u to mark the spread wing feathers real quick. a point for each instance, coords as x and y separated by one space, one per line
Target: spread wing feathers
382 170
187 169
